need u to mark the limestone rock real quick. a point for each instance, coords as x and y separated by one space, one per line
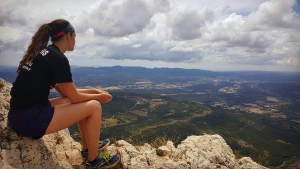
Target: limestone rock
205 152
53 151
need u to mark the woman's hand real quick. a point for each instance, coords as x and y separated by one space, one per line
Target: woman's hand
105 97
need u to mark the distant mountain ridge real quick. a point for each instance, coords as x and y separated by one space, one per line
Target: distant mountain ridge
9 73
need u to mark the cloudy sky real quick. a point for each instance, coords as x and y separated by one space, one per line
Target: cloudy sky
217 35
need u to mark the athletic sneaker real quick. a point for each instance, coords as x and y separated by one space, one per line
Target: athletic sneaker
101 146
103 161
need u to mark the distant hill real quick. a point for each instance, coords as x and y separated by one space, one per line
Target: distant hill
9 73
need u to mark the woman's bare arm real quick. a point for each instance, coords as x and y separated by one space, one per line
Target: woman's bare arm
88 91
80 95
60 90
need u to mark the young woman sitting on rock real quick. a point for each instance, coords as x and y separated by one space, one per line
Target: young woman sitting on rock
44 67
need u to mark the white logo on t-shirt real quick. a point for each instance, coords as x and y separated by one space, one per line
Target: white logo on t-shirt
44 52
27 67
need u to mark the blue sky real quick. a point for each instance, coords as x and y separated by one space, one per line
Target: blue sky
220 35
297 7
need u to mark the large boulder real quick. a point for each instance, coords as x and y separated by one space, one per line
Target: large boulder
56 150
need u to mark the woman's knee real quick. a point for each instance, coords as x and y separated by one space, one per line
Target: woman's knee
94 105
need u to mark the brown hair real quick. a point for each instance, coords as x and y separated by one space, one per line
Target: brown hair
41 38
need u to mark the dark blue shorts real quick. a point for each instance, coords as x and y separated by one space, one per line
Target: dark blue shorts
32 122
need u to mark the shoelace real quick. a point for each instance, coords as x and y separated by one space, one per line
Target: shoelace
105 156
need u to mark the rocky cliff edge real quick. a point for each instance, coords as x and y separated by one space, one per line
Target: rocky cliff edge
60 151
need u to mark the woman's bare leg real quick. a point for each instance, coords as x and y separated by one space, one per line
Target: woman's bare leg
67 114
81 123
59 100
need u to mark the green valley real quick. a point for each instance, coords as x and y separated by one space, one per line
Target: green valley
140 118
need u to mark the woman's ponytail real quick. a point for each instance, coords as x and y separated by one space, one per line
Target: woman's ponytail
38 42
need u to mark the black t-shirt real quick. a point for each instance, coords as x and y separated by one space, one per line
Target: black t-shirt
34 81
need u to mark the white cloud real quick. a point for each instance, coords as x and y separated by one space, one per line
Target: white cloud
136 45
121 18
186 25
289 61
169 32
12 39
274 14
